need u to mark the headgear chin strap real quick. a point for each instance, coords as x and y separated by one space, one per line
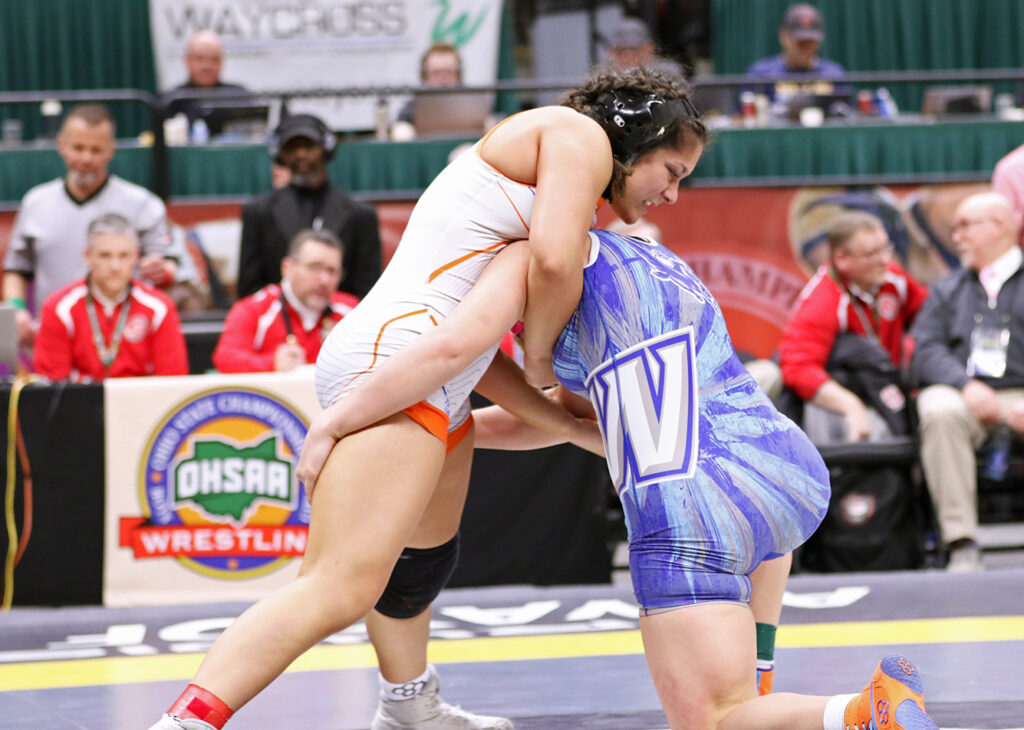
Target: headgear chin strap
635 122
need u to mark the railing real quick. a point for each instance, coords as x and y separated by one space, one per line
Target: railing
524 90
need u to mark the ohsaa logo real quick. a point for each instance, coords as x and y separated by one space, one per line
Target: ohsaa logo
217 484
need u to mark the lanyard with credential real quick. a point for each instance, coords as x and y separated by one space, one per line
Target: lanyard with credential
290 338
108 353
868 324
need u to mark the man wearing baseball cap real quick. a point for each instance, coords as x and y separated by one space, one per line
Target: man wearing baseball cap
800 35
304 144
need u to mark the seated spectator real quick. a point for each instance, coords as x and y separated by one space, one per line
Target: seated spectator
1008 181
629 44
304 144
850 319
800 35
282 326
109 325
49 233
204 57
440 68
969 361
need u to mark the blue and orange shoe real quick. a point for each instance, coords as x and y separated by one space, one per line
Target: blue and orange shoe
893 700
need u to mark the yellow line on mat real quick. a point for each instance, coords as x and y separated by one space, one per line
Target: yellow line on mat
129 670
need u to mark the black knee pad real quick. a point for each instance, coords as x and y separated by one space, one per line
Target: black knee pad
418 576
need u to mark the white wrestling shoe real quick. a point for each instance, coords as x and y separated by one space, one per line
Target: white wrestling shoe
170 722
427 711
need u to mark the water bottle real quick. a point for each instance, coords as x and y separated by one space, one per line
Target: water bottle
885 104
997 456
200 132
1004 106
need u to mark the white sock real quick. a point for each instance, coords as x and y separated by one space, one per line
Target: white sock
403 690
834 711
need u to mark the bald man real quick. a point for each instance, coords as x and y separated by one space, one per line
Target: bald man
969 359
204 58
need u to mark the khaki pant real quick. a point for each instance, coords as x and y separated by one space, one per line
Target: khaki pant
824 428
950 436
766 374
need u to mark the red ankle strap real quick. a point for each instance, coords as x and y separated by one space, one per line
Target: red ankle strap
200 704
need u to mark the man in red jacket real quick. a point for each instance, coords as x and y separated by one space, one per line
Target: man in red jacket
860 291
282 326
109 325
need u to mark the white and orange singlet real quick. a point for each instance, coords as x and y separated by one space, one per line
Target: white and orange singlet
464 218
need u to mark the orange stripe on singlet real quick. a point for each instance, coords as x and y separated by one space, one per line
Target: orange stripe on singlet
479 148
510 202
468 256
437 272
380 336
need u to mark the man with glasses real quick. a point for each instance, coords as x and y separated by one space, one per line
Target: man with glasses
969 361
851 316
282 326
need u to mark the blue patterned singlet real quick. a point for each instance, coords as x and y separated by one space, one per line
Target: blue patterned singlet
713 479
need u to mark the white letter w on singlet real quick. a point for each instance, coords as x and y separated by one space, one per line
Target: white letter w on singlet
646 402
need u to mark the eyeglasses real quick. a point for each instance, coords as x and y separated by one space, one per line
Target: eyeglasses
317 269
967 223
882 252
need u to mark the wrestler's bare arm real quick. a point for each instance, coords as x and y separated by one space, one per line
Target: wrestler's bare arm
524 418
574 166
487 312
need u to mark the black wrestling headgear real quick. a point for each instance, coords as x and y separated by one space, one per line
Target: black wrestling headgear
634 122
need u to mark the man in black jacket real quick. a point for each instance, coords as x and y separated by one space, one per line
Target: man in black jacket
304 144
969 359
204 58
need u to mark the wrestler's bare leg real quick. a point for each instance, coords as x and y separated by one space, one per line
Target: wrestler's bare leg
368 500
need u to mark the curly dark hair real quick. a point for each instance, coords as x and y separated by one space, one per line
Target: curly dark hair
641 81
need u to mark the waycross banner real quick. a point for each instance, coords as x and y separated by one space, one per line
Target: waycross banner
202 502
296 45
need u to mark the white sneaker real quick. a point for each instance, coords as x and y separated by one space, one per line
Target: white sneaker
965 558
170 722
427 711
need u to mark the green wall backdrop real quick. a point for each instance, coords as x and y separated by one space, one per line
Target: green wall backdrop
76 44
880 35
107 44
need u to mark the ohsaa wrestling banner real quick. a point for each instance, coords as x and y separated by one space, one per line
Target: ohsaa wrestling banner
276 45
202 502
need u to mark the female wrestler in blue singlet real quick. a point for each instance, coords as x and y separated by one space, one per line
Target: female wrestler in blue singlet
713 479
